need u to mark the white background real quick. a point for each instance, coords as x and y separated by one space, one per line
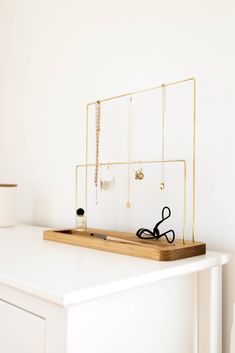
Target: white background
57 55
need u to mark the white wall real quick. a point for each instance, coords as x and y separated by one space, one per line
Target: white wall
57 55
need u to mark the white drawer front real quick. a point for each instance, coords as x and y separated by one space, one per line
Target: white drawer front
20 331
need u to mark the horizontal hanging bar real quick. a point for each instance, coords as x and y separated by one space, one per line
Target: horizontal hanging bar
142 91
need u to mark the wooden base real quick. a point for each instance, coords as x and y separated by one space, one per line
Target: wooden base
127 244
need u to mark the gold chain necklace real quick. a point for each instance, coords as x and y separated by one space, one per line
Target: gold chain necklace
97 145
162 184
128 204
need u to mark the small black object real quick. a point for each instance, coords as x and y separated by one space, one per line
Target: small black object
80 211
145 233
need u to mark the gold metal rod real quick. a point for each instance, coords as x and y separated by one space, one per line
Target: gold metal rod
185 200
87 115
142 91
76 194
194 160
134 162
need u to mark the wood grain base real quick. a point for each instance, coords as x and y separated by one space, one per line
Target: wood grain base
148 249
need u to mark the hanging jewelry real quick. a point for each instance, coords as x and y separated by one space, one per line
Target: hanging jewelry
97 124
128 204
162 184
107 179
139 174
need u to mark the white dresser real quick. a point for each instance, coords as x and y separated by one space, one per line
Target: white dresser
57 298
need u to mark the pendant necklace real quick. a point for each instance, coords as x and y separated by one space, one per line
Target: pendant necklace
128 204
97 147
162 184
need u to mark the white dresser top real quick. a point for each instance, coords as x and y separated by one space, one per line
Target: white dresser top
66 274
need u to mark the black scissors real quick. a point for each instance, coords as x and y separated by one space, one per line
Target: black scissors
145 233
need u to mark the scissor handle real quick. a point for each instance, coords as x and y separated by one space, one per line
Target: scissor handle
163 212
165 235
145 231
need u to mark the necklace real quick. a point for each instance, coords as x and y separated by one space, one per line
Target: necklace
97 146
128 204
162 184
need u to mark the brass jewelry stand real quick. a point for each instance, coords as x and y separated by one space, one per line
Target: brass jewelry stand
128 243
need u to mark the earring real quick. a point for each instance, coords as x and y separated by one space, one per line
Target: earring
107 179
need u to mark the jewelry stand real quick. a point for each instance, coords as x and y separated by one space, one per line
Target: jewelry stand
127 242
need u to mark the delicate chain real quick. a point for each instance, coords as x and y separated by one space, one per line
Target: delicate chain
97 123
128 204
162 184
